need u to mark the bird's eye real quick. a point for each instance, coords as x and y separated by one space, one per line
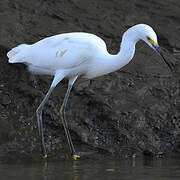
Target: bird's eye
148 38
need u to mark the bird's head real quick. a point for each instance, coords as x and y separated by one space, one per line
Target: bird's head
149 36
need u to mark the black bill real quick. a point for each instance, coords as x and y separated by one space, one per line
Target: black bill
159 51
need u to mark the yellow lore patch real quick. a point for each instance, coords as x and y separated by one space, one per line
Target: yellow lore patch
151 41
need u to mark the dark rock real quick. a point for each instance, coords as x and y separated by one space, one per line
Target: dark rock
6 100
131 112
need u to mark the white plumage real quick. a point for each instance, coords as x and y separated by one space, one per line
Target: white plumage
74 53
78 54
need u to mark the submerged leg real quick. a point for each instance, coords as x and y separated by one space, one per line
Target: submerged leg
63 118
57 78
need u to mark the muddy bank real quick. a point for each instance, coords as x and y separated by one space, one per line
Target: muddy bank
132 111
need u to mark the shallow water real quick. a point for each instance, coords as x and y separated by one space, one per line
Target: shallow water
101 169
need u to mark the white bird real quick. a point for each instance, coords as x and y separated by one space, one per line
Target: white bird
74 55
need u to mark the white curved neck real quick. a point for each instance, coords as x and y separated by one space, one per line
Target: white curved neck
108 63
126 52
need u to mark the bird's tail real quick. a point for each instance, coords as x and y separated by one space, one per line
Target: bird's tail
15 55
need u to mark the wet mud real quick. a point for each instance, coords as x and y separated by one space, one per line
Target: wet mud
134 111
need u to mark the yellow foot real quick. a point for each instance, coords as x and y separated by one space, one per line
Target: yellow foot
45 156
75 156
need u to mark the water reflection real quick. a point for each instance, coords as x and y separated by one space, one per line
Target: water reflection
95 169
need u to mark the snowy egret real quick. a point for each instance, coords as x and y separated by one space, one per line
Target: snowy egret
74 55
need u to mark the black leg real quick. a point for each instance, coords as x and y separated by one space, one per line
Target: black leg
59 75
39 120
63 118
